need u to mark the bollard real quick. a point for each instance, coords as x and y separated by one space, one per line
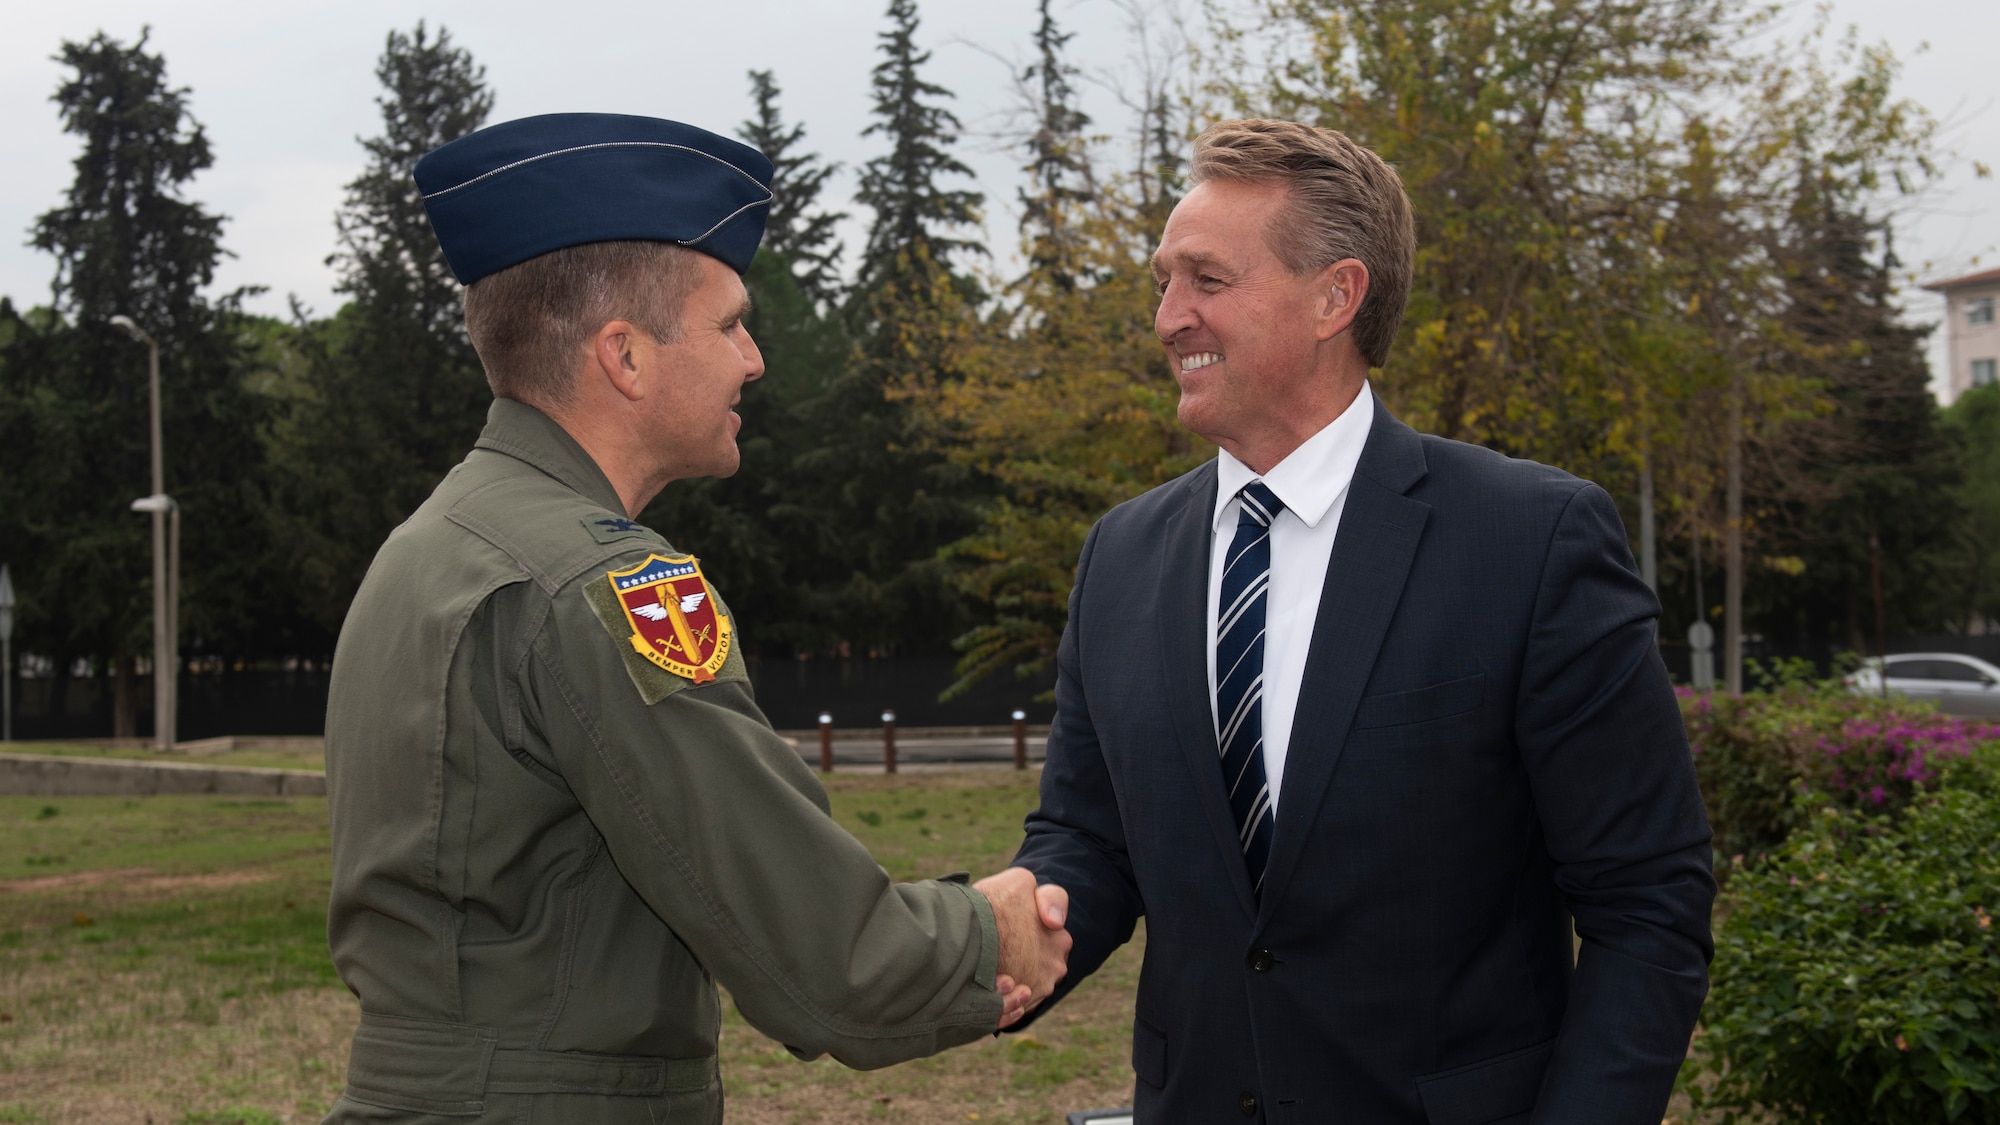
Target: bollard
1020 740
888 742
825 742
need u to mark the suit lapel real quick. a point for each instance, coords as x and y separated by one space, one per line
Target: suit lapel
1183 627
1377 541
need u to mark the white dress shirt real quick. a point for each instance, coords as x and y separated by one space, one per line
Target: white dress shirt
1313 483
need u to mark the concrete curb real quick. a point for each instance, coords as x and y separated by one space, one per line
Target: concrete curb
38 775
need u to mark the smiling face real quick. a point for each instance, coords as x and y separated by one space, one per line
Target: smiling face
1252 343
703 370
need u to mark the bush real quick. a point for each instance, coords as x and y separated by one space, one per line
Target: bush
1754 753
1857 972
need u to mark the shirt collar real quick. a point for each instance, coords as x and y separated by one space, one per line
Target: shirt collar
1312 476
525 433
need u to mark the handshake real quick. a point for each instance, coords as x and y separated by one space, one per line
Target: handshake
1034 946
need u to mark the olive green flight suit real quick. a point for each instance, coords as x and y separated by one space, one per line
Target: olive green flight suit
547 851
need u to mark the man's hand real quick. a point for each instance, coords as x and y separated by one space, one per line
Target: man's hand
1034 946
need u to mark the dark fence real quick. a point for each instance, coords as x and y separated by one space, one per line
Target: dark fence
792 693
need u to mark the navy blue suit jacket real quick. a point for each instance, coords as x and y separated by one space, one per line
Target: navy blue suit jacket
1485 748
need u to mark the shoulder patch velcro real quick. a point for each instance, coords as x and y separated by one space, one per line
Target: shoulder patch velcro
610 529
671 628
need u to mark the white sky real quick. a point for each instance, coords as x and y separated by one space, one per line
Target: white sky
284 90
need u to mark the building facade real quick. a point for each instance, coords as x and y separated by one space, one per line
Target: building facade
1971 330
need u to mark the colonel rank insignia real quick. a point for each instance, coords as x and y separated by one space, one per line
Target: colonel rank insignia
675 621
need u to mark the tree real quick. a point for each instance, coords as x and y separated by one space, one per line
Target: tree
127 242
797 230
1600 190
869 506
1874 470
1065 403
1059 171
914 214
1974 423
396 394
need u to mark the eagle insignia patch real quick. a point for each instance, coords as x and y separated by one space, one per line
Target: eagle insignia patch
673 615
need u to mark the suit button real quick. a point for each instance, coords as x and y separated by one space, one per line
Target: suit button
1248 1104
1262 961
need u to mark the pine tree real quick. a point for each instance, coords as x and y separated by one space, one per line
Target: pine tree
1161 163
1059 171
1877 464
127 242
397 394
868 506
797 230
1974 421
914 214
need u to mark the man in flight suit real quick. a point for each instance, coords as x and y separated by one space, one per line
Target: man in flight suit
559 818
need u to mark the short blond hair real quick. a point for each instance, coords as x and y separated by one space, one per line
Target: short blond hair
530 321
1346 202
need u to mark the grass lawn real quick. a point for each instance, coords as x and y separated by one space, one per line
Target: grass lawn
270 757
163 960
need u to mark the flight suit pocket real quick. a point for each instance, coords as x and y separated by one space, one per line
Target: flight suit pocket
1439 701
1149 1055
420 1066
1489 1092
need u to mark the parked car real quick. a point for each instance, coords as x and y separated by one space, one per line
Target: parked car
1958 684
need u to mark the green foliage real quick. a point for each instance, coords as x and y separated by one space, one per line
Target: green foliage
914 212
1974 421
75 445
1067 405
797 230
1638 221
1874 466
392 395
1857 971
1060 175
1036 1065
871 503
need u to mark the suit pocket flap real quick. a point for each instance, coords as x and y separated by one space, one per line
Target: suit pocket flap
1439 701
420 1066
1149 1055
1488 1091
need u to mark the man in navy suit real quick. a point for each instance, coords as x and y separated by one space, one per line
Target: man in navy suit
1370 726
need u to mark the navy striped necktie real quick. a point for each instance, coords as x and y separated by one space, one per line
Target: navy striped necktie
1239 675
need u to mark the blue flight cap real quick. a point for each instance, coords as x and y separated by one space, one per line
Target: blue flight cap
520 189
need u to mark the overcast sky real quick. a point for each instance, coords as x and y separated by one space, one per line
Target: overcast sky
284 90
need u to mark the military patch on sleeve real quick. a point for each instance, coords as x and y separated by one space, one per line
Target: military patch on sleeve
675 631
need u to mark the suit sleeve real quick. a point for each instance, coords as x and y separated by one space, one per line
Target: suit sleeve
1076 839
1602 739
722 829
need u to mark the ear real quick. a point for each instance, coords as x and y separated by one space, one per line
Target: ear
615 359
1345 284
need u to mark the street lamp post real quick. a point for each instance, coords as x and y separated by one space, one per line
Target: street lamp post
168 720
165 644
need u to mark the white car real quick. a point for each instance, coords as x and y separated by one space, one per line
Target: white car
1957 683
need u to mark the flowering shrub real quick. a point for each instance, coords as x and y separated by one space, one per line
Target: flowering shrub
1886 760
1857 970
1754 753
